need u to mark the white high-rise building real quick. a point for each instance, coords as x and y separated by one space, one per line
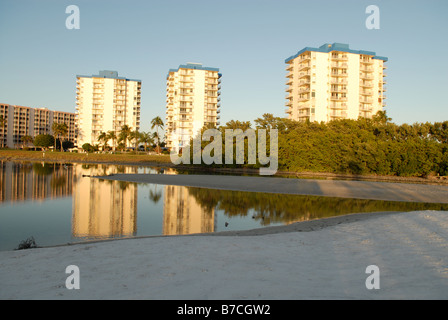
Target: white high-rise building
334 82
106 102
192 101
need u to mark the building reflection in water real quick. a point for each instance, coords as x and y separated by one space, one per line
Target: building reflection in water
22 181
103 208
183 214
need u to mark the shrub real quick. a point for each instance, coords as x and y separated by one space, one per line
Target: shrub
29 243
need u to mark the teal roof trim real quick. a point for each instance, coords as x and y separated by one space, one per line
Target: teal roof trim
342 47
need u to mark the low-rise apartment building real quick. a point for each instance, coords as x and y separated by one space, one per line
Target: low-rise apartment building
20 121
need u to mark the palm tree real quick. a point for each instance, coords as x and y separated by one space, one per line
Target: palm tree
157 123
103 136
112 136
124 134
2 124
145 138
155 136
60 130
134 135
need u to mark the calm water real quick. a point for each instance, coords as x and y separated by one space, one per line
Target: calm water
59 203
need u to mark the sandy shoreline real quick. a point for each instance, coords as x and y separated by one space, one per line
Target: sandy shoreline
326 263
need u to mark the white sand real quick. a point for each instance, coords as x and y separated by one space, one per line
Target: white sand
410 249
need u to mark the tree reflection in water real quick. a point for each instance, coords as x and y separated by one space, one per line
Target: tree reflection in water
272 208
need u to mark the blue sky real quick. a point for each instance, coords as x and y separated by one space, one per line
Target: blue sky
248 40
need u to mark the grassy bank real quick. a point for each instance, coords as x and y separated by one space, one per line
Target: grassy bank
20 155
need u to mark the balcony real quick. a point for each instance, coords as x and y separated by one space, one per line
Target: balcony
186 80
339 81
186 98
304 57
303 98
365 108
365 92
339 57
338 106
366 68
366 61
365 100
304 74
339 65
289 82
290 67
337 98
366 76
339 74
304 89
304 66
338 114
366 84
303 113
338 90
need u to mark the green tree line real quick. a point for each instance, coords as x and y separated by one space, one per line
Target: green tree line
364 146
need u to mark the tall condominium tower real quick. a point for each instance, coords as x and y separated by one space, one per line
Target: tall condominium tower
334 82
192 101
106 102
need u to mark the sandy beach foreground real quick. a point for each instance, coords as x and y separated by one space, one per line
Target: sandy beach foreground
328 263
320 259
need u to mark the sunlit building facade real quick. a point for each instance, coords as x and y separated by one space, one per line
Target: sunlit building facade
106 102
334 82
192 101
20 121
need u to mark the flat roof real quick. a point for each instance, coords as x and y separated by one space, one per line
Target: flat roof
191 65
342 47
109 74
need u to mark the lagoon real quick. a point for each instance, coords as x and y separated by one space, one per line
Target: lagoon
57 203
